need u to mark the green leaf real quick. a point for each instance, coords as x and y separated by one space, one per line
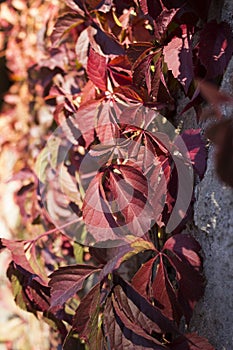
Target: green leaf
78 252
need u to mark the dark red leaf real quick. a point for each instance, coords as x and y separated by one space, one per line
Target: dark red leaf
118 335
163 20
156 79
115 262
108 44
135 50
142 72
29 294
138 327
185 247
120 63
129 323
66 281
96 69
100 5
137 305
197 151
200 7
215 48
153 8
119 79
190 341
86 317
183 254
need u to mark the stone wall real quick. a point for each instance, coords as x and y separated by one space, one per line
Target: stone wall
213 316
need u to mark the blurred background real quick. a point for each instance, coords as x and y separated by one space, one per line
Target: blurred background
24 119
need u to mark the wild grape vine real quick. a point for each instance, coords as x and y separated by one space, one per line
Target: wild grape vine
112 188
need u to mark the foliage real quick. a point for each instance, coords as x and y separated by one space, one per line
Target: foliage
111 192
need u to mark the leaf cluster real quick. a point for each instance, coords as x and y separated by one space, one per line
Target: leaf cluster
111 271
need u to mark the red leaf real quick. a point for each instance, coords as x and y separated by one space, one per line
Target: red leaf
127 92
136 114
136 326
215 47
164 294
178 56
127 188
82 123
143 5
96 69
63 26
118 336
97 213
17 249
76 5
130 191
86 317
108 113
119 69
66 281
98 116
142 279
129 320
140 310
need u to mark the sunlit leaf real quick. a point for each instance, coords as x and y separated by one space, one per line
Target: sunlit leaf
96 69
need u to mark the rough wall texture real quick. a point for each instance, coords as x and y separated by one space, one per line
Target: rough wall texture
214 219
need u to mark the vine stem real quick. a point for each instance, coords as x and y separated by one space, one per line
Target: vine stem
56 229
